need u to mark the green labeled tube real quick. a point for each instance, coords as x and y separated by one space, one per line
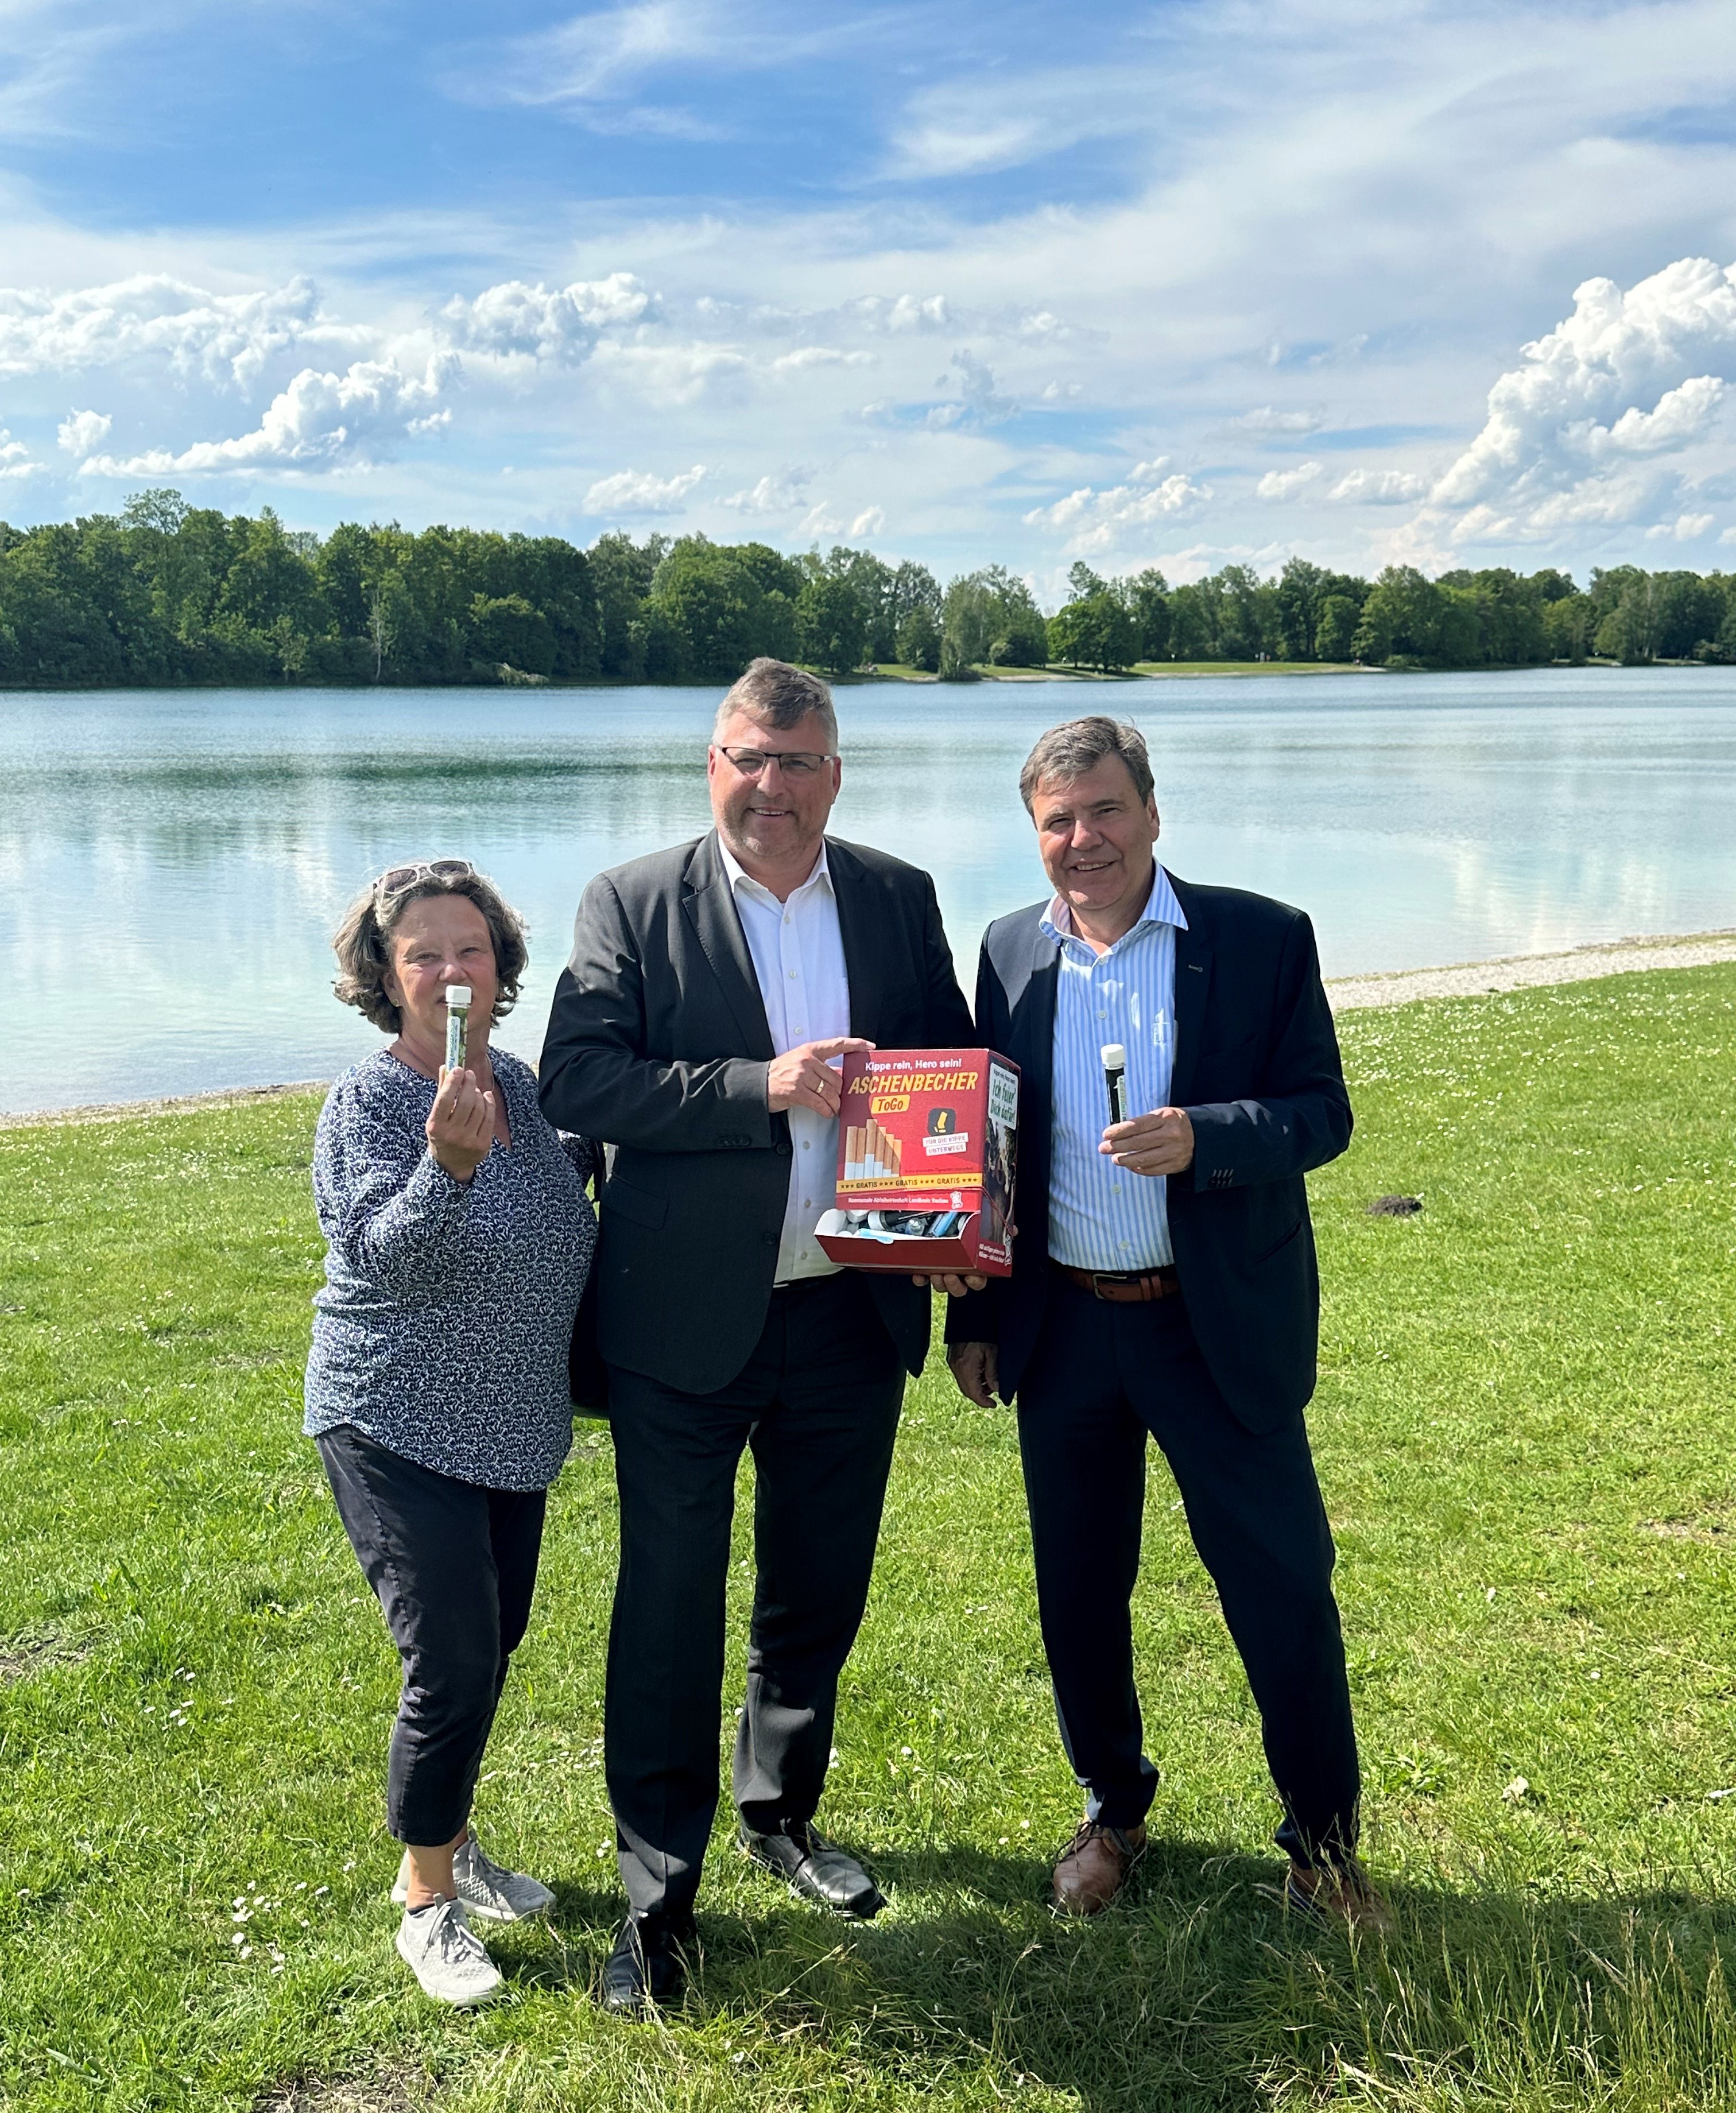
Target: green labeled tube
458 1025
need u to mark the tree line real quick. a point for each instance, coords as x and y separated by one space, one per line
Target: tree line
168 593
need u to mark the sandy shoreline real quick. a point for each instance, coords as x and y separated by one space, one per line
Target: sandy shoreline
1511 972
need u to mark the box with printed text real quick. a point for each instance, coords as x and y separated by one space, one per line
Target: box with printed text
927 1148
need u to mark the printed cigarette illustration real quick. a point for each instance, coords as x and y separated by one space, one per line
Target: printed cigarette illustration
924 1153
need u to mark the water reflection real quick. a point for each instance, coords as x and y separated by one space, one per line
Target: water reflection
173 863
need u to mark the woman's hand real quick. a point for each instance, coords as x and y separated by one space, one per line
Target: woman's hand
460 1125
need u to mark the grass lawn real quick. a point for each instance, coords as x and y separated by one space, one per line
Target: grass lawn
1525 1433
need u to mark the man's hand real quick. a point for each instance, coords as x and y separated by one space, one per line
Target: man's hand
800 1079
953 1285
460 1125
976 1369
1159 1143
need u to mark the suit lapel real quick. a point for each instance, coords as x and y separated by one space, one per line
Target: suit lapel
1193 992
865 960
1034 1052
706 905
1035 1055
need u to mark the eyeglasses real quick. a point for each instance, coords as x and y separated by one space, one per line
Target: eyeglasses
396 879
793 762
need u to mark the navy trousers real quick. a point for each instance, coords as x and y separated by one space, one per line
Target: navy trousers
1102 1379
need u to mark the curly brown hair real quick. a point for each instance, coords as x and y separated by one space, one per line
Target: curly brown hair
362 942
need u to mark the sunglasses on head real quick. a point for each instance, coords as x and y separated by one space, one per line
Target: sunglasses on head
397 879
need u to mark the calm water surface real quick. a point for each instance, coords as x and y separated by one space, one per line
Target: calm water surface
174 863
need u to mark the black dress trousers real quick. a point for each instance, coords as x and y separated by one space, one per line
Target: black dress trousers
1101 1379
817 1403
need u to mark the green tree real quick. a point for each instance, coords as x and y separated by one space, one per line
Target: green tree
919 639
1146 596
1097 631
1334 628
714 602
1628 633
831 623
508 631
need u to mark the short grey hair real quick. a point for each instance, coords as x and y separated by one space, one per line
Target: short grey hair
779 696
1066 752
363 943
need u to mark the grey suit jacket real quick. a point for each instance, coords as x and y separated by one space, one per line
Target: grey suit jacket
658 1045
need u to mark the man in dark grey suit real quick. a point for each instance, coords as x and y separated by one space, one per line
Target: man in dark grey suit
709 990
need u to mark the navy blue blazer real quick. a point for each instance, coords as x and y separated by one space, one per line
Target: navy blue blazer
1257 1069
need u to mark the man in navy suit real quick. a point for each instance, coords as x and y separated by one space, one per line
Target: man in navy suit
1164 1286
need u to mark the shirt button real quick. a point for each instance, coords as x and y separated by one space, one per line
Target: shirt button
793 973
1101 1013
1124 1247
804 1144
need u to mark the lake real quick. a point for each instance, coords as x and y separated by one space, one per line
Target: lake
175 860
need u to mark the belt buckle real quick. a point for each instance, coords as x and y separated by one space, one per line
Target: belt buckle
1099 1277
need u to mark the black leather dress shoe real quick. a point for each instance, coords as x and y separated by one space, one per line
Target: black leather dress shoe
647 1969
815 1869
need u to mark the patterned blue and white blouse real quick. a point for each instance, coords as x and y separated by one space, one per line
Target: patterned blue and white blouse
441 1333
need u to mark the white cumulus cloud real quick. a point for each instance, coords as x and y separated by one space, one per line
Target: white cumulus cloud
636 492
15 459
1685 528
319 420
1286 483
560 324
219 337
1629 379
905 312
84 432
1269 422
1099 520
771 495
1378 487
821 355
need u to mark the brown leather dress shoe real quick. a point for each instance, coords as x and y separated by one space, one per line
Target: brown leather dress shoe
1342 1898
1094 1866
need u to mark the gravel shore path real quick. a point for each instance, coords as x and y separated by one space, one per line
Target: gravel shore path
1691 950
1511 972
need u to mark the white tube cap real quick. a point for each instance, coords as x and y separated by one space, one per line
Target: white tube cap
457 997
1114 1056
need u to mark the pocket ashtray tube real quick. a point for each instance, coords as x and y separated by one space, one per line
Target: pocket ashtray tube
458 1025
1115 1077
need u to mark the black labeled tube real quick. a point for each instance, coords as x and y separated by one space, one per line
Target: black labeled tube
1115 1077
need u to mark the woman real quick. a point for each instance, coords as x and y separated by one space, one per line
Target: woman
460 1236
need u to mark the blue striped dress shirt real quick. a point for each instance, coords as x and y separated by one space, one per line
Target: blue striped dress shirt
1101 1216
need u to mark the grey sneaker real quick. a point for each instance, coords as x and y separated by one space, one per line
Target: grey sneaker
447 1956
486 1888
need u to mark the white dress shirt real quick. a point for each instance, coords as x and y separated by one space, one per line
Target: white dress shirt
1100 1215
797 950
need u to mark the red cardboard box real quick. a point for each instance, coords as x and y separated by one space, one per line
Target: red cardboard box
927 1147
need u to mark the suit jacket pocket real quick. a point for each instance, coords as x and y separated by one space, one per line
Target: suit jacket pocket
637 1204
1278 1247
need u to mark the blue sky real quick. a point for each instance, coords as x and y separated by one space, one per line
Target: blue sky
1171 285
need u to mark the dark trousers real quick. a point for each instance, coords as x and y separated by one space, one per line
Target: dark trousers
453 1566
1101 1378
817 1403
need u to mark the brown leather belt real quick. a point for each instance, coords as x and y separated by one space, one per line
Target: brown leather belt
1122 1287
